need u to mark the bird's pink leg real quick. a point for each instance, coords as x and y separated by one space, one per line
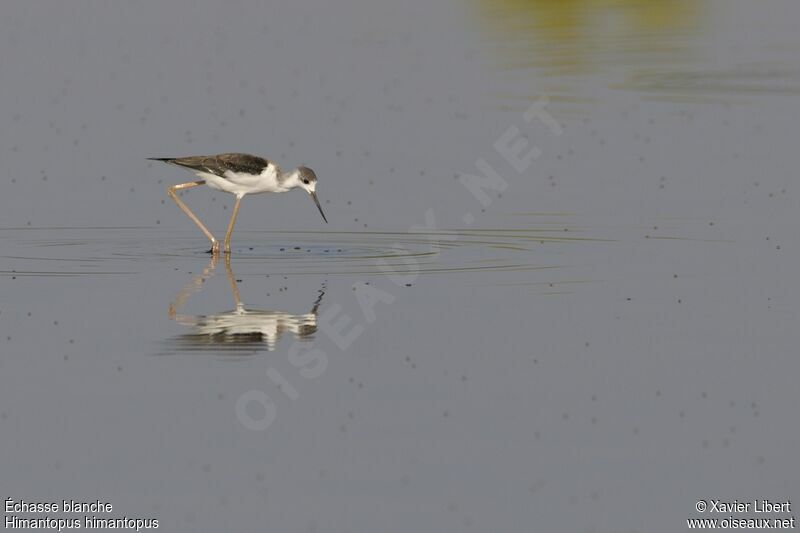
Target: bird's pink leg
231 224
185 209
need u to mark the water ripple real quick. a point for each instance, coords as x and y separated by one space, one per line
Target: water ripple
108 251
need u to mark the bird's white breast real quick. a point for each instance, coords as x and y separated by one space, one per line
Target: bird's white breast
242 183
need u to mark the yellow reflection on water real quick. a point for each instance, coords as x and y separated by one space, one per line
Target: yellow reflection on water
562 38
575 35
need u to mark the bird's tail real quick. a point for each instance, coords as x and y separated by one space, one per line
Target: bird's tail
164 159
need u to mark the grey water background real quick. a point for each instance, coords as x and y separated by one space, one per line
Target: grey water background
609 340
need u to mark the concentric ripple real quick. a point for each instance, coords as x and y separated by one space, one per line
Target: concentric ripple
119 251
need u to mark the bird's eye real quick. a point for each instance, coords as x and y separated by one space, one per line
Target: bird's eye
305 181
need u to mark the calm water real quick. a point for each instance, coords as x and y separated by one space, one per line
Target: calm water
599 336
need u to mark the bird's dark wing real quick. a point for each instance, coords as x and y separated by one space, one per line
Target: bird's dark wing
219 164
242 163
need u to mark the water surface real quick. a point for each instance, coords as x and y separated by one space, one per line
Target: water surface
593 344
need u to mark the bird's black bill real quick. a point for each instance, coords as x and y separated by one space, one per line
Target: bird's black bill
316 201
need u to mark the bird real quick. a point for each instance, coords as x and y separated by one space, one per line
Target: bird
238 174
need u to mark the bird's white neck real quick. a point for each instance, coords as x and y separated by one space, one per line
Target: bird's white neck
294 180
291 179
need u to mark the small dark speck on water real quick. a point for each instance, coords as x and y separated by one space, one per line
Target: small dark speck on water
296 247
408 284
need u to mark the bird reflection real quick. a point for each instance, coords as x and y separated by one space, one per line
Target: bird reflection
240 329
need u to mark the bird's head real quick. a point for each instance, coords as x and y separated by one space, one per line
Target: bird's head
305 178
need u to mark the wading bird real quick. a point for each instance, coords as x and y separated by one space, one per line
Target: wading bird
240 175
